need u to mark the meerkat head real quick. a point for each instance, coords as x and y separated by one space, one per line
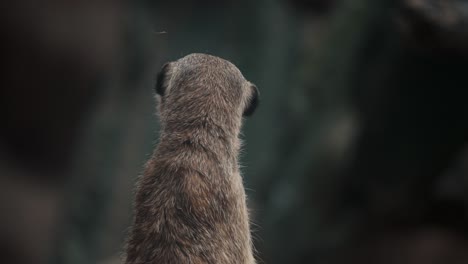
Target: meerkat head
201 85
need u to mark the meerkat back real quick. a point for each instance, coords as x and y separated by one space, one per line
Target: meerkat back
190 204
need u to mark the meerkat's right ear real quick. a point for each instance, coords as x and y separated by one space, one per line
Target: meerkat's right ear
253 101
163 79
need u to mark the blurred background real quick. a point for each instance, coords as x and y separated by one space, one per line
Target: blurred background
357 153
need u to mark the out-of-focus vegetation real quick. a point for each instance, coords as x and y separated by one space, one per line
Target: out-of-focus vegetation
356 155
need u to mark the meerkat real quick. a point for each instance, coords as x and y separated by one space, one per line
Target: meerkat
190 204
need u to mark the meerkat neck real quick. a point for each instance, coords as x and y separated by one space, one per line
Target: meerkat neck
222 141
205 129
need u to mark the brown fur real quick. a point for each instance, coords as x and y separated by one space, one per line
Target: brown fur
190 201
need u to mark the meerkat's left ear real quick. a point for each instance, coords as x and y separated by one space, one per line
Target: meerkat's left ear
253 101
163 79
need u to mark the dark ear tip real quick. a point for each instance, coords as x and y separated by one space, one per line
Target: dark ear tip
160 80
253 102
